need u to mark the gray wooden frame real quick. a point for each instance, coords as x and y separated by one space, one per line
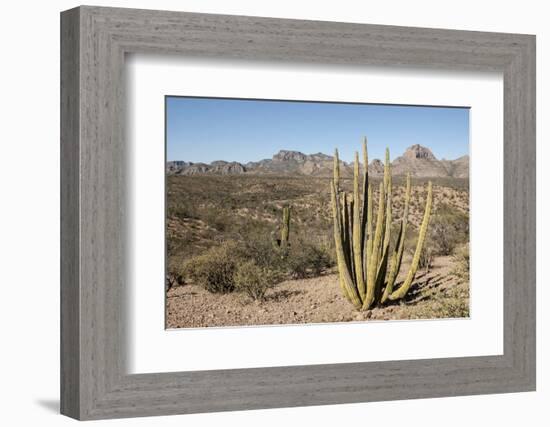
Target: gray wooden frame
94 382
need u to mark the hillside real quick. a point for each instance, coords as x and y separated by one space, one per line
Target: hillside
417 160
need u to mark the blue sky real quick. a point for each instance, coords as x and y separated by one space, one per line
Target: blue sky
208 129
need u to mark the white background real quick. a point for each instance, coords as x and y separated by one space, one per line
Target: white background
151 78
29 214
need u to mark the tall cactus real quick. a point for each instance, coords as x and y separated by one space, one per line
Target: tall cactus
367 267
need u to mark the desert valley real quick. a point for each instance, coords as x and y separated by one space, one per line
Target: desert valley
226 217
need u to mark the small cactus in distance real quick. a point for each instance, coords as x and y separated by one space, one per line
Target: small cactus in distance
367 266
285 229
282 242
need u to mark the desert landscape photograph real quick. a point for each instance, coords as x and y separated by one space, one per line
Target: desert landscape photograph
297 212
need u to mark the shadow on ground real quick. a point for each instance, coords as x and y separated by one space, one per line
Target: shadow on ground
51 405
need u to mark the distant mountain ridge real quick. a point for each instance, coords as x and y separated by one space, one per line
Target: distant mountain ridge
417 160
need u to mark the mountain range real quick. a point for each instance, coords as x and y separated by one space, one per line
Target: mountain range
417 160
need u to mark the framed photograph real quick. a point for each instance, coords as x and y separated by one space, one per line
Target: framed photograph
250 227
261 213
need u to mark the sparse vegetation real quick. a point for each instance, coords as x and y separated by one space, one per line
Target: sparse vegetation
239 265
214 270
462 262
308 260
220 225
254 280
449 228
450 303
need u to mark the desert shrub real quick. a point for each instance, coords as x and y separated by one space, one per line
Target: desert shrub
254 280
256 256
174 278
426 257
453 304
220 221
461 258
308 260
262 249
175 274
449 227
215 268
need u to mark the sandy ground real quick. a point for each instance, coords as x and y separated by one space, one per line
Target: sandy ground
435 294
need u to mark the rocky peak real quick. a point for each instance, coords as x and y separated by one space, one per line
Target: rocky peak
227 168
417 151
319 157
175 165
286 155
376 167
195 169
218 163
417 160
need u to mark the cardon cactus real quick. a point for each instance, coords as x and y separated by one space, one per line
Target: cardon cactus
367 266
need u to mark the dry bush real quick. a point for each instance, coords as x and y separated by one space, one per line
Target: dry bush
461 258
254 280
263 251
215 268
308 260
426 257
452 303
449 227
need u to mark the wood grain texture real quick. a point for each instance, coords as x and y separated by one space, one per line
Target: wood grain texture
94 382
70 220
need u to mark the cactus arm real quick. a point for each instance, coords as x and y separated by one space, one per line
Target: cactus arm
346 281
341 203
387 173
346 232
397 257
358 232
349 213
344 221
388 191
373 261
380 276
336 170
343 287
368 236
395 265
366 202
404 288
386 188
382 268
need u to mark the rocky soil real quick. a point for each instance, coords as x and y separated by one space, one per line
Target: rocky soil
435 294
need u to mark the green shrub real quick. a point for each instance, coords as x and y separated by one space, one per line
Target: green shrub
262 249
215 268
449 227
254 280
307 260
